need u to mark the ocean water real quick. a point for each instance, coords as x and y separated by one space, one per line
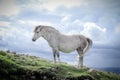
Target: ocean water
109 69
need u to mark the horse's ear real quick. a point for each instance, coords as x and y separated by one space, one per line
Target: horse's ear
41 28
35 29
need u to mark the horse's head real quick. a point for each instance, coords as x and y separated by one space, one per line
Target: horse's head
37 33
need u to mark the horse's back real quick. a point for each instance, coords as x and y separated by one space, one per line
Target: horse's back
69 43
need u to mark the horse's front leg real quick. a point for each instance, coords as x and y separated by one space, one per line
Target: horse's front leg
56 53
58 56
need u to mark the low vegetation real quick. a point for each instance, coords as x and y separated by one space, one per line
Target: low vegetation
25 67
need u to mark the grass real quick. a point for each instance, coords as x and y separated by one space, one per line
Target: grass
25 67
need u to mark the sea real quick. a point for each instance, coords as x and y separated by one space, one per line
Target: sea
108 69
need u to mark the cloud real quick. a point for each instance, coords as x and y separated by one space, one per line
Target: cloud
66 18
52 5
77 22
9 7
89 29
16 38
91 25
3 26
4 23
95 32
117 28
34 23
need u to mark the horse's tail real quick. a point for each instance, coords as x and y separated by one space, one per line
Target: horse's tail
89 45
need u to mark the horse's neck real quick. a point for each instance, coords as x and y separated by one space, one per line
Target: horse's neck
50 35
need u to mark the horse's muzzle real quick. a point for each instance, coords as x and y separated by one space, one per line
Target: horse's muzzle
33 39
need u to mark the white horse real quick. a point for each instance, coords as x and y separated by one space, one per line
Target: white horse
64 43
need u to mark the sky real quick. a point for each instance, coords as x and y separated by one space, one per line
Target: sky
97 19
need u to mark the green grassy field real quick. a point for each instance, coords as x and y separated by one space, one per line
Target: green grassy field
25 67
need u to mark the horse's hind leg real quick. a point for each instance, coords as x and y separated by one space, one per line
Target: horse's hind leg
80 62
58 56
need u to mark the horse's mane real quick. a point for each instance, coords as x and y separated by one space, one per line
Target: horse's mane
44 27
